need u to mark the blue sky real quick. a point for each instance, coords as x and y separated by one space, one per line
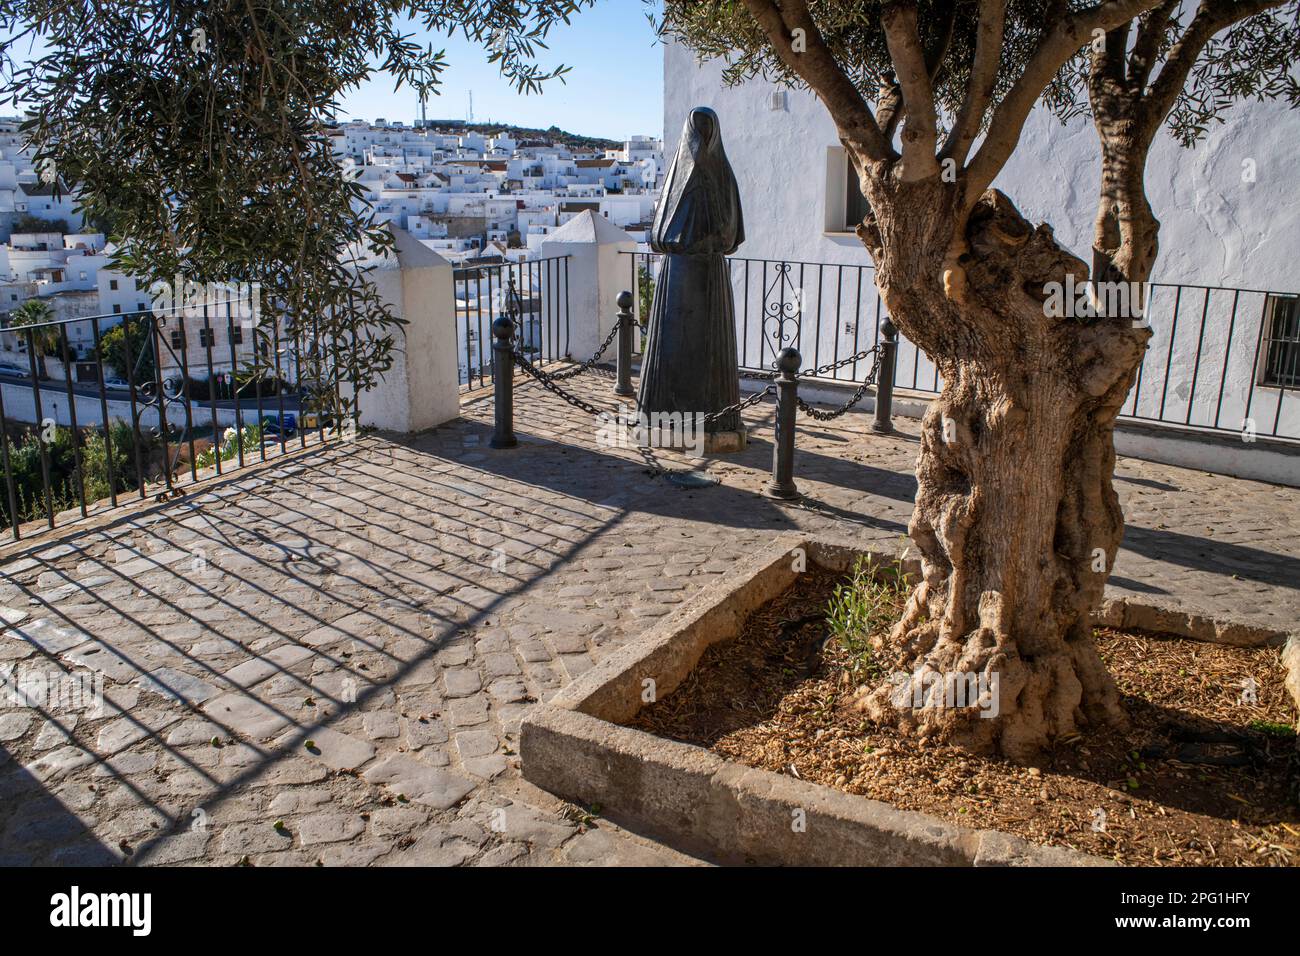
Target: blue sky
615 88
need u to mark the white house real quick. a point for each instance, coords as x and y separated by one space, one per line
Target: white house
1230 218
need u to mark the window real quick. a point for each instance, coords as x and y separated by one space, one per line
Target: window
237 335
177 341
845 205
112 284
855 204
1282 359
205 338
141 307
117 310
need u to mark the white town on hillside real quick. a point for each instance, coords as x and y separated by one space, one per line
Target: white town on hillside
474 199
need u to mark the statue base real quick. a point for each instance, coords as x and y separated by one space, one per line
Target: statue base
722 443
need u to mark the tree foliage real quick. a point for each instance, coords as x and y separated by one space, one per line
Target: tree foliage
34 312
1252 58
128 349
200 131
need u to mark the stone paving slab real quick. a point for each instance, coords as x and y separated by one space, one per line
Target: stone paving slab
326 662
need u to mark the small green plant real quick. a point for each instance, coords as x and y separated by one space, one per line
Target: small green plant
868 603
231 440
1273 728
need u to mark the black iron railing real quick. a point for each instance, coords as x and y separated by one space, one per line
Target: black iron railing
1220 359
101 408
536 291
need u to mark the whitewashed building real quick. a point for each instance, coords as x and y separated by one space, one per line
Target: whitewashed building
1224 360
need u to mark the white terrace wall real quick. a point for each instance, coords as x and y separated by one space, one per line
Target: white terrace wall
1220 227
420 390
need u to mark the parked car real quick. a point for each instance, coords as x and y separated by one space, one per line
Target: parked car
274 425
7 368
117 383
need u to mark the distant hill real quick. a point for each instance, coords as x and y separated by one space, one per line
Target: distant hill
519 133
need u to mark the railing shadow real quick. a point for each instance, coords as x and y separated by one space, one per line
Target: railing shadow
402 600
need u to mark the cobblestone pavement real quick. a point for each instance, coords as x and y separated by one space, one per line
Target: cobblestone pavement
326 660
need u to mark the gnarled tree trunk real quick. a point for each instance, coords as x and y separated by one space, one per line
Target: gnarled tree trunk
1015 517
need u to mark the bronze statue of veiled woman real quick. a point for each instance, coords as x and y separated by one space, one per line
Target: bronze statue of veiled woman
690 359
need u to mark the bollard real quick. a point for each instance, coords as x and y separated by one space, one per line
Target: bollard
884 423
626 326
782 484
503 383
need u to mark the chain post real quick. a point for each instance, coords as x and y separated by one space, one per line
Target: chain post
782 485
623 387
503 384
883 423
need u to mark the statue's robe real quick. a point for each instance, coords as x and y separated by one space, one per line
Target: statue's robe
690 360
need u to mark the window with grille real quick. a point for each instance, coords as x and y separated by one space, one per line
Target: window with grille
1282 341
176 338
237 335
205 337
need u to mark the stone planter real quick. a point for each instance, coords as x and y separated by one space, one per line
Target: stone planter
577 747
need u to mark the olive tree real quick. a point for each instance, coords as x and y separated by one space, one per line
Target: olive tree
1015 518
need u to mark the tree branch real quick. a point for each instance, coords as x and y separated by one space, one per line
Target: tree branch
1211 17
889 105
816 66
908 56
1061 43
983 77
1146 48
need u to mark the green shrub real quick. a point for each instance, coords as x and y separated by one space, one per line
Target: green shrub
868 603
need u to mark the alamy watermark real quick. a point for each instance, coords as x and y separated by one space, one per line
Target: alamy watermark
628 429
242 301
52 690
934 690
1087 300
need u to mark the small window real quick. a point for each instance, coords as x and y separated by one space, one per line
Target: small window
177 342
117 310
1282 331
112 284
845 207
141 307
205 338
855 204
237 335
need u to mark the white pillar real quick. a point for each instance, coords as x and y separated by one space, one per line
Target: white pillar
421 390
597 274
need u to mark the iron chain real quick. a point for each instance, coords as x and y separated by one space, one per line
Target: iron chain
821 369
739 406
856 397
852 359
590 363
548 383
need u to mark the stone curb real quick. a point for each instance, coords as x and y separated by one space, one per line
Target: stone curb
577 747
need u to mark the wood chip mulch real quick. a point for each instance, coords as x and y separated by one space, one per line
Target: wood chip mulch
1202 776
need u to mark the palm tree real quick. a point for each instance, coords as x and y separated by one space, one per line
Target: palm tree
45 338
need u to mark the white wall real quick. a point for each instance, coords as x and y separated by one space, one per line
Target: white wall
20 406
1216 229
421 389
